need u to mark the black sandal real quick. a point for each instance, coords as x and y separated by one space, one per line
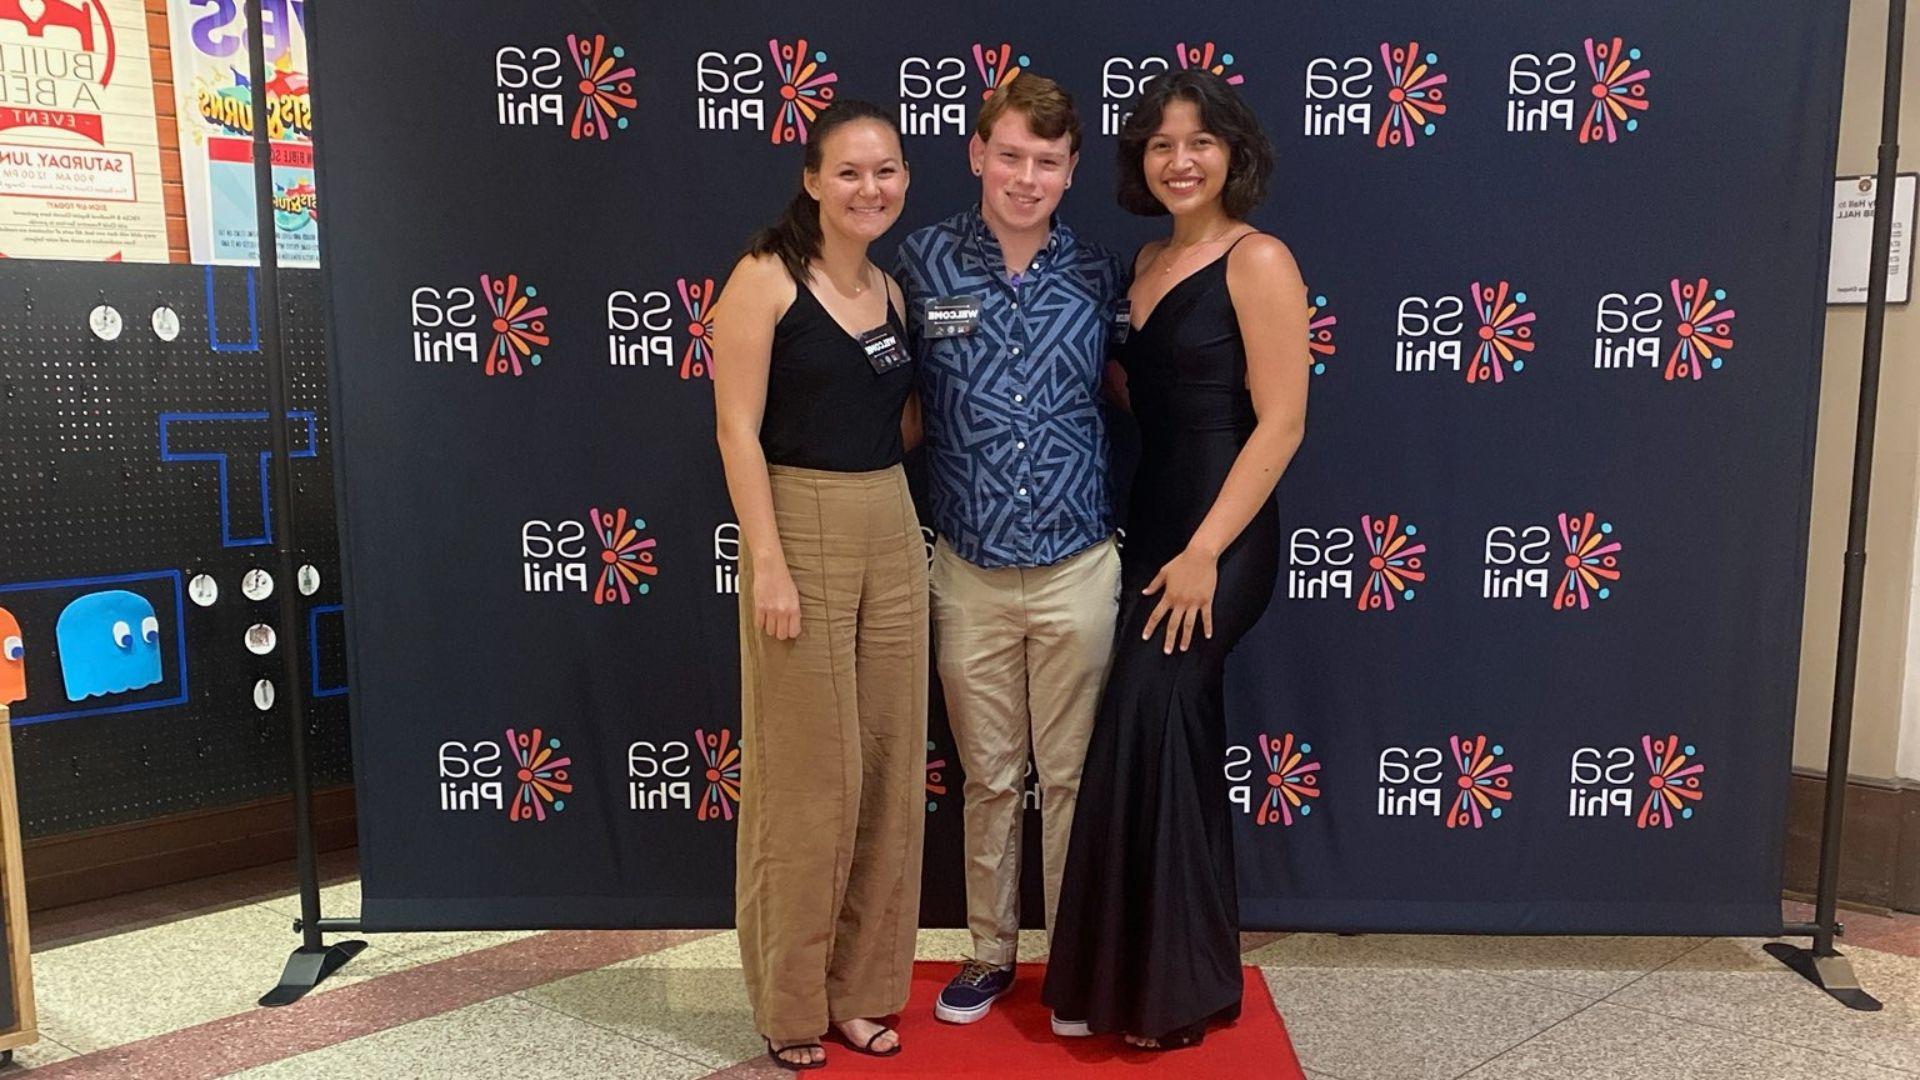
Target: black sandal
868 1049
1179 1038
793 1066
1193 1034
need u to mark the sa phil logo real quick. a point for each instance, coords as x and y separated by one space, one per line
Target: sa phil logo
1275 780
1321 565
533 87
1628 331
1662 782
448 326
702 776
525 775
1405 91
555 556
1557 92
733 90
934 90
1319 332
1123 77
1416 782
640 327
1521 562
1433 333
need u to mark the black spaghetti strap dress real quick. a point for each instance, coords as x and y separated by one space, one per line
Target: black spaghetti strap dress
1146 939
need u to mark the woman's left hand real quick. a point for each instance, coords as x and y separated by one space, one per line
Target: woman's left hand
1186 587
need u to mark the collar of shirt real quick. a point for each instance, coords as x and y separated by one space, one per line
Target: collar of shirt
984 252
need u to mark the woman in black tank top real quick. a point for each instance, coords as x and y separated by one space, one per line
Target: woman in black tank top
811 390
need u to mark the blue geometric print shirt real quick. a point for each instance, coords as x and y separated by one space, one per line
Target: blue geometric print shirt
1016 444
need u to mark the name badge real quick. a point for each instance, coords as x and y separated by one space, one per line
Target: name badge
883 349
1122 321
952 316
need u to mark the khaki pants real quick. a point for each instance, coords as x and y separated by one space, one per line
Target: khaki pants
834 736
1023 655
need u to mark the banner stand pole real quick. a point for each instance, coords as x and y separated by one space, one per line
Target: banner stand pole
1822 964
314 960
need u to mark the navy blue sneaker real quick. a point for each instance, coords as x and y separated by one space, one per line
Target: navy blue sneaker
972 992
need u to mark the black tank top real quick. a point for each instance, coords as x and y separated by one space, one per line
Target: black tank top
826 408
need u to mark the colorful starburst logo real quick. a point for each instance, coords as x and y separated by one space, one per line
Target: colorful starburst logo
1319 333
1672 782
1203 57
1705 329
997 67
806 88
626 557
1591 563
1484 782
1415 94
541 773
1505 331
936 777
1292 780
1619 89
605 86
722 757
697 298
519 324
1394 562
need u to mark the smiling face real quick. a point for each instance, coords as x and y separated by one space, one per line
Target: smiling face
1185 165
862 182
1022 176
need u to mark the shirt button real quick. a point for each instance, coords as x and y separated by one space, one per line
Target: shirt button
1019 399
1020 445
1036 264
1016 350
1023 491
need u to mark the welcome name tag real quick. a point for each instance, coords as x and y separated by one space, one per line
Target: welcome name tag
952 316
1122 321
883 349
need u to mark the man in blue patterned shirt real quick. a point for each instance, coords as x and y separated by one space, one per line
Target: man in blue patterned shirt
1010 315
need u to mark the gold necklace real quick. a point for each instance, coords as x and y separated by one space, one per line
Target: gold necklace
1215 238
860 286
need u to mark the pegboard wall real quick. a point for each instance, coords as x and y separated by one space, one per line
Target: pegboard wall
134 460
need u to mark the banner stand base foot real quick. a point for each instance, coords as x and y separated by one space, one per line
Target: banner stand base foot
307 967
1832 973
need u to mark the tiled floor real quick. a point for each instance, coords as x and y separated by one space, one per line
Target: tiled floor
162 985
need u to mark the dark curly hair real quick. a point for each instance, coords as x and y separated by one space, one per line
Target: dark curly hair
1223 113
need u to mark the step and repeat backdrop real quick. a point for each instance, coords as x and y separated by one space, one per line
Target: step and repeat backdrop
1531 663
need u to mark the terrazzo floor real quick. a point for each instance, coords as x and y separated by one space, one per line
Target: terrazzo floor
162 985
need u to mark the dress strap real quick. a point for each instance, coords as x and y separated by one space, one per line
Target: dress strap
1236 243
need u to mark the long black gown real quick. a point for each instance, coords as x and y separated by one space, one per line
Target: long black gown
1146 939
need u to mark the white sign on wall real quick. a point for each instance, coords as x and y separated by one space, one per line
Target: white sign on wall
1853 240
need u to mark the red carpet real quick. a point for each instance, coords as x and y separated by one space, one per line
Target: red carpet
1015 1041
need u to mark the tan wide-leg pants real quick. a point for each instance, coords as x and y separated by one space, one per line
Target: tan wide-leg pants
1023 654
834 737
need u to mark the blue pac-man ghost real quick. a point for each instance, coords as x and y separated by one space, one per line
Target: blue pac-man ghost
109 644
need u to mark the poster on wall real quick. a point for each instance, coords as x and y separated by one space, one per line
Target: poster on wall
215 113
79 147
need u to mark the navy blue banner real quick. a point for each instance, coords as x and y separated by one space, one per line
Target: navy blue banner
1531 663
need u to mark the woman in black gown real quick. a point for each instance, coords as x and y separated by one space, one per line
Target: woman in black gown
1146 940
